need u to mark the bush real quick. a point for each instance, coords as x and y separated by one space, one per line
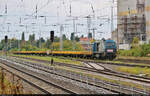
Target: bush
139 51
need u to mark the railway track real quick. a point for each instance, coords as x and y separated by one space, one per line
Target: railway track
104 71
9 64
117 64
107 72
27 81
45 69
118 74
134 61
49 71
93 61
111 63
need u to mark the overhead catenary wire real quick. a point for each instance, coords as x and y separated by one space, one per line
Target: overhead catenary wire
63 2
41 7
68 9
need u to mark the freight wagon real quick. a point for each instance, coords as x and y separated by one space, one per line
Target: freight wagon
103 49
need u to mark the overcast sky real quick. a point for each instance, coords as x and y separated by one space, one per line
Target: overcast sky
20 17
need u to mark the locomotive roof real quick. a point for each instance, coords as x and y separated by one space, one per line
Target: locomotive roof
109 41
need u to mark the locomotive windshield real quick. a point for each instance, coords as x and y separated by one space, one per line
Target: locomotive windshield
110 44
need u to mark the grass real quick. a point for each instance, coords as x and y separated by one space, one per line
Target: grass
135 58
120 62
134 70
48 58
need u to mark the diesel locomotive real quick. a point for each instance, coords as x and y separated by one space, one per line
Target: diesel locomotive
104 49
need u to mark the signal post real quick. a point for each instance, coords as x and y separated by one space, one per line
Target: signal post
52 47
6 43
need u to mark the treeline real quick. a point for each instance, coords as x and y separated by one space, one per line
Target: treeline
136 50
40 44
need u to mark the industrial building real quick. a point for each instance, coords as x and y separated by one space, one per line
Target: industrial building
133 21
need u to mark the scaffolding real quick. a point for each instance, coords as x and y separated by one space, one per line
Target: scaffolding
133 25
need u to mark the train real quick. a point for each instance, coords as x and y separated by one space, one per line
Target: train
102 49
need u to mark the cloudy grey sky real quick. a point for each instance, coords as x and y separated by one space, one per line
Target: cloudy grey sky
17 16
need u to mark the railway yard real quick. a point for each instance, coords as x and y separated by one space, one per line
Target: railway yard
85 77
73 47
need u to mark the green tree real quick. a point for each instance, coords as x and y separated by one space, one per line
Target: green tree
82 36
38 43
72 35
48 43
32 39
2 44
23 37
135 42
90 35
68 46
22 40
56 39
42 40
77 38
64 37
14 43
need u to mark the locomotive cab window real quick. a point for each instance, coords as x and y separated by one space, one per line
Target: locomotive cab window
110 44
97 47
